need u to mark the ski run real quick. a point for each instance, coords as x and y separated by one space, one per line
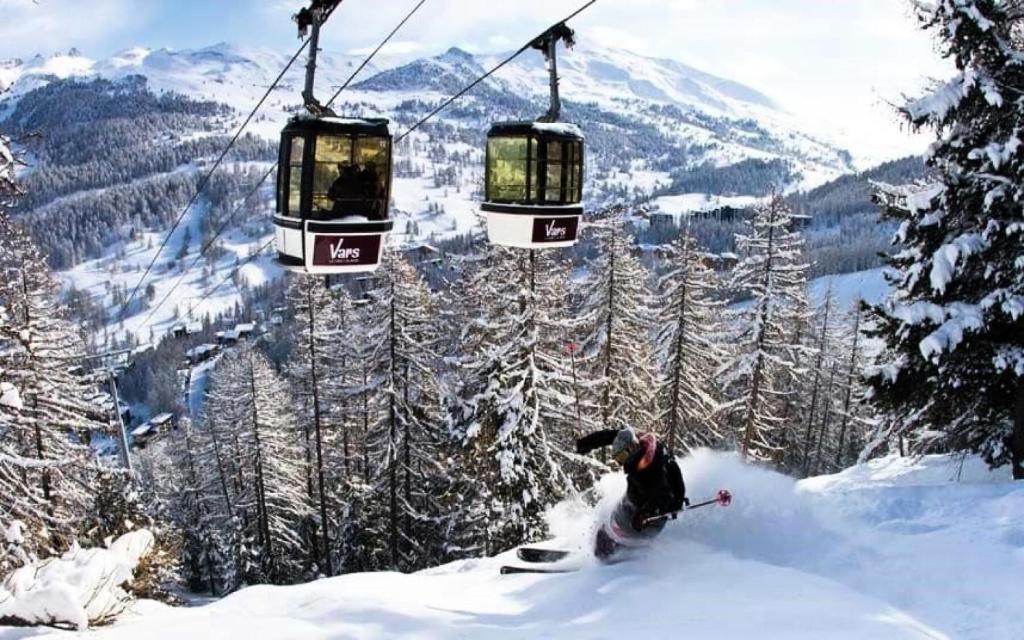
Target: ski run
891 549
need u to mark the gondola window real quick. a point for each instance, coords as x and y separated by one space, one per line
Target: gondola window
295 176
333 174
507 175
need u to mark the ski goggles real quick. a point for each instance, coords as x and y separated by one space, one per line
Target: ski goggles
622 456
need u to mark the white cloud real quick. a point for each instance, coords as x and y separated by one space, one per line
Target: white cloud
619 38
45 26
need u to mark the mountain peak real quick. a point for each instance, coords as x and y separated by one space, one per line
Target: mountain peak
456 52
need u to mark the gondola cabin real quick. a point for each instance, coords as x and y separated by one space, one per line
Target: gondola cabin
333 190
534 184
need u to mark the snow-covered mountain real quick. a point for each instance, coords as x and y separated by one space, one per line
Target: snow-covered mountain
202 72
740 121
649 122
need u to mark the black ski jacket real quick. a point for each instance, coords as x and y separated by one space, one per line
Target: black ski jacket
657 488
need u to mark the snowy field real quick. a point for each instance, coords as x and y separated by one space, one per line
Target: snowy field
896 548
680 205
849 289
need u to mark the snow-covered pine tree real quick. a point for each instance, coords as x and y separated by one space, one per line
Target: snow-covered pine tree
402 338
798 387
853 415
617 321
184 487
218 467
689 330
124 502
363 538
319 362
10 396
832 434
567 407
559 387
467 499
46 466
497 412
249 404
761 366
953 374
820 365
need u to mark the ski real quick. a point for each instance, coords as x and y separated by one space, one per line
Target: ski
508 569
533 554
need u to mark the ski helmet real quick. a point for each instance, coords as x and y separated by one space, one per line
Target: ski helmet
625 446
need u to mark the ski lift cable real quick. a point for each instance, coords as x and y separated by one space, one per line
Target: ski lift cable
209 174
223 227
494 69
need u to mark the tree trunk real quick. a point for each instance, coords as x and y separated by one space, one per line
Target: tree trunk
850 379
609 336
677 359
822 349
366 425
318 432
823 431
755 376
308 451
221 474
345 418
37 431
1017 437
752 406
407 453
392 445
262 516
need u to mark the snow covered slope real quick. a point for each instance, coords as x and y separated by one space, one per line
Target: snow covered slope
850 289
687 203
896 548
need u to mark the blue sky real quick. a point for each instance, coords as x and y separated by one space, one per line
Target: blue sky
836 62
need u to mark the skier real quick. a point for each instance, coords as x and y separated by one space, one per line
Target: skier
655 487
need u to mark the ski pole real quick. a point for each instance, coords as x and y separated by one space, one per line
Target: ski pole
723 499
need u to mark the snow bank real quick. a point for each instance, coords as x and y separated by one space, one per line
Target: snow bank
9 396
81 587
897 471
940 538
